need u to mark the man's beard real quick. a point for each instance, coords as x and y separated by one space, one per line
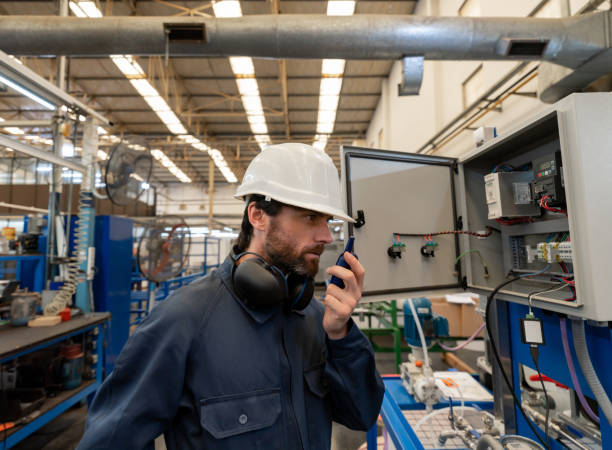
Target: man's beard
282 253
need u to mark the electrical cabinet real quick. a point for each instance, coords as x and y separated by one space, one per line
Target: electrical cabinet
430 224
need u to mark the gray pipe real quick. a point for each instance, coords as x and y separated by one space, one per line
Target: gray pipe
570 41
582 352
488 442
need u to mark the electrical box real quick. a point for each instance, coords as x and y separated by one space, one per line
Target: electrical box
533 199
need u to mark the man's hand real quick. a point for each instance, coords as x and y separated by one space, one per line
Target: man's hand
340 303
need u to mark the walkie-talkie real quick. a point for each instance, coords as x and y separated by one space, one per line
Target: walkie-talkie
342 263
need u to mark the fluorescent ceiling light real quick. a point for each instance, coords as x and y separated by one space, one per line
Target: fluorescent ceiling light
137 77
244 71
90 9
128 66
253 119
330 86
328 102
332 67
325 128
331 81
143 87
169 118
172 168
157 103
176 128
227 8
76 10
27 93
259 128
340 7
242 65
248 86
326 117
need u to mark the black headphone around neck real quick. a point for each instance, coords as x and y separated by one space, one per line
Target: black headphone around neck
262 285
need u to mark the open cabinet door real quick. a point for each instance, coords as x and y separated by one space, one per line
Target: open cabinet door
404 198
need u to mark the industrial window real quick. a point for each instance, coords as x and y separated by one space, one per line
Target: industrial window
472 86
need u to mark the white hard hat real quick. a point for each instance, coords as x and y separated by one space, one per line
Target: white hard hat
297 175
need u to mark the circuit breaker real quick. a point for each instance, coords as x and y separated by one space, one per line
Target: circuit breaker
530 202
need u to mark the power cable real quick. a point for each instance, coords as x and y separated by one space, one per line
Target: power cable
490 299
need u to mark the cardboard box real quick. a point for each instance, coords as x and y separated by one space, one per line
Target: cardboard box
463 320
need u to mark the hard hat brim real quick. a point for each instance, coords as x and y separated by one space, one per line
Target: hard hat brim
338 214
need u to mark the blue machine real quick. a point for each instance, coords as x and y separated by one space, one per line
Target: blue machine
433 325
111 285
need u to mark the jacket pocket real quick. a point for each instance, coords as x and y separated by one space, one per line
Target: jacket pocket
232 415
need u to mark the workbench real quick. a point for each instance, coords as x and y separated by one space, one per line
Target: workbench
19 341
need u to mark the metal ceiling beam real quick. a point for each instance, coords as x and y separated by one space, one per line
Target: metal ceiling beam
34 152
567 41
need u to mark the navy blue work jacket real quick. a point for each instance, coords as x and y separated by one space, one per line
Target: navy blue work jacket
210 373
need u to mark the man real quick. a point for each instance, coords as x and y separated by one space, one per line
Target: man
240 359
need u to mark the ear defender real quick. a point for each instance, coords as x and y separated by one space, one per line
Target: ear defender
261 285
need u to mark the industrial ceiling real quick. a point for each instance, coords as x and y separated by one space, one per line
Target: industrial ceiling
203 92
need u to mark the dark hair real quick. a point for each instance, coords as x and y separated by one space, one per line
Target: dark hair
270 207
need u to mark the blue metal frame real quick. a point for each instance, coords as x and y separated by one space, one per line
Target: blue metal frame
552 361
29 428
205 265
399 430
112 283
30 270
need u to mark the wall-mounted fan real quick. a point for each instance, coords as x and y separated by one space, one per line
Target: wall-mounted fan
128 170
163 249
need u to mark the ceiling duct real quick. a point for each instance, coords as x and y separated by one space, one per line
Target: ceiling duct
571 42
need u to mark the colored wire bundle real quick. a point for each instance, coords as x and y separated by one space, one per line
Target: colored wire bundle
544 204
428 236
533 294
571 283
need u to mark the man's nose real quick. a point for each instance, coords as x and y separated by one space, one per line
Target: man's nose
323 234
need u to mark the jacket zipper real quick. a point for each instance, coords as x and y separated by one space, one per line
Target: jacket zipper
297 424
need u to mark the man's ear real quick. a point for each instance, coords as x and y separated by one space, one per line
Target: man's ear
257 217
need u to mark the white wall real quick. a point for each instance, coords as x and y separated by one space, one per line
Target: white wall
406 123
192 201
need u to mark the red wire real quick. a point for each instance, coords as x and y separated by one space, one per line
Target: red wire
514 221
544 204
568 281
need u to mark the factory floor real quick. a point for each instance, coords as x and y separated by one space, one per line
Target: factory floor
65 432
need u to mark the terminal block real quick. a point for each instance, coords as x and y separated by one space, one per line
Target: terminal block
550 252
